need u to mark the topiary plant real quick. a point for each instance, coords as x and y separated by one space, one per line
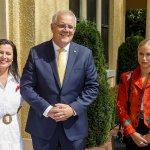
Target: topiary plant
100 112
127 55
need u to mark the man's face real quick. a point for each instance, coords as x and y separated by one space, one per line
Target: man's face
63 29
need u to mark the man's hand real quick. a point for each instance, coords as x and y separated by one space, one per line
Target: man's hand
60 112
54 110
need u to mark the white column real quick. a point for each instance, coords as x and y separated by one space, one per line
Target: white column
98 14
83 9
148 20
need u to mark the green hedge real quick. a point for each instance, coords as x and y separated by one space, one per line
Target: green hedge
127 55
115 119
100 112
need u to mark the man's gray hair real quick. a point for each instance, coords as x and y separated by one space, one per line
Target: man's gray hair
61 12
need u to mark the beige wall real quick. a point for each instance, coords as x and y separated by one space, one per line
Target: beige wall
116 32
44 9
28 25
22 32
3 19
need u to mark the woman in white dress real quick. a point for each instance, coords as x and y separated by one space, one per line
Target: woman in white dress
10 99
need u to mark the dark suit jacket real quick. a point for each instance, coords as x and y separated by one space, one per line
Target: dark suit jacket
40 87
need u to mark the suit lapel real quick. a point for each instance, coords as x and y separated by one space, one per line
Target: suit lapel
73 51
53 63
136 78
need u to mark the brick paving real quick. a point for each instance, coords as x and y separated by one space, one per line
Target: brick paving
106 146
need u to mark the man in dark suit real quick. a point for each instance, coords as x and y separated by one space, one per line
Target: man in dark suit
59 81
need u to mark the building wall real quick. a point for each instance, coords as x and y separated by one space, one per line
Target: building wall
28 25
136 4
117 28
3 19
116 33
22 32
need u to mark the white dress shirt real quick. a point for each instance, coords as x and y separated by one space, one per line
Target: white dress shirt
10 101
65 59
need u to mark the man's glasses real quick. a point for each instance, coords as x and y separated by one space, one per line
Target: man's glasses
63 26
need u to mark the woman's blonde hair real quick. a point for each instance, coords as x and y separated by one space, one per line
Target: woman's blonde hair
145 42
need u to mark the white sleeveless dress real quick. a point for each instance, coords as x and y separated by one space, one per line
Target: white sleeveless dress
10 101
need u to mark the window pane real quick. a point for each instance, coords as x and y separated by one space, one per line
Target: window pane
74 5
105 11
105 41
91 10
105 27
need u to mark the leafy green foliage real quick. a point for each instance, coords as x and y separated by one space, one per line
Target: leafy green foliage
135 22
100 112
127 55
115 118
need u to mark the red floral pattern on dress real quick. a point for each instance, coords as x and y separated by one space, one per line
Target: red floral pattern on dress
17 88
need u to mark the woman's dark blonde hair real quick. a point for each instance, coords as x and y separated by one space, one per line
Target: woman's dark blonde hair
145 42
14 67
